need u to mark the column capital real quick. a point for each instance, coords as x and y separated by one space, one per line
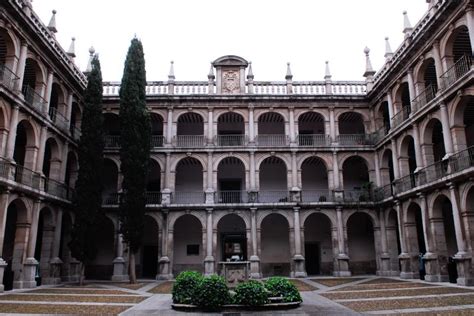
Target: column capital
339 208
421 195
209 210
24 43
442 105
253 209
451 185
296 209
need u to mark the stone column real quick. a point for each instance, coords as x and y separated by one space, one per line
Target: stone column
166 192
295 190
165 262
430 258
169 126
470 24
377 170
42 145
49 88
338 191
416 141
342 258
292 126
438 64
20 71
411 89
253 193
210 187
332 125
56 262
70 99
405 260
30 264
12 133
384 256
254 259
251 125
396 170
391 111
300 271
3 219
209 260
120 273
448 141
210 125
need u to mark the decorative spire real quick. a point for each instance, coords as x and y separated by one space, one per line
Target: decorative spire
388 49
327 75
91 56
288 76
211 76
171 76
72 48
250 75
407 28
369 71
52 23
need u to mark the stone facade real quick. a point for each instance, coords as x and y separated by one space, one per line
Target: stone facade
297 178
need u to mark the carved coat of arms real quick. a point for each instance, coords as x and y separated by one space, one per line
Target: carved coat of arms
231 82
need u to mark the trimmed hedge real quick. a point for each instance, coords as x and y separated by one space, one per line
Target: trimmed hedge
186 287
251 293
278 286
212 293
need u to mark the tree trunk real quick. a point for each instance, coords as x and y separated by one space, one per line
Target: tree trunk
81 276
133 275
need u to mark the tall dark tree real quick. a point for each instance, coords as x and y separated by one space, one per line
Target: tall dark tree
135 139
87 203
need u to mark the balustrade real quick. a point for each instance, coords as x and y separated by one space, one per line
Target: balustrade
317 196
112 141
231 140
34 100
354 139
314 140
182 197
423 98
275 140
232 197
7 77
458 70
190 141
153 197
55 188
58 119
157 141
401 116
273 196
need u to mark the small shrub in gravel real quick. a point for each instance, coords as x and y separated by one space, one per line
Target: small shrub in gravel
251 293
278 286
186 286
212 293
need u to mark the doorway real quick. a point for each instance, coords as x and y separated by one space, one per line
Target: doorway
150 261
312 258
234 247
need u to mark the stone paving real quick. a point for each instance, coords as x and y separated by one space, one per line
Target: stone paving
321 296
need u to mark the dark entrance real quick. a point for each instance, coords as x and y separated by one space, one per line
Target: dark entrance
150 261
312 258
233 246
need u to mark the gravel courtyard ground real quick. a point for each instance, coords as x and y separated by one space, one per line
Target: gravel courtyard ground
322 296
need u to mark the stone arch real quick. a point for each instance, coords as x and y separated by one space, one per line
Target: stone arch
361 235
232 229
462 121
189 181
351 122
286 214
45 240
231 181
371 214
34 79
52 158
57 100
278 112
318 112
202 160
157 129
150 249
326 159
243 215
9 50
451 44
275 245
272 180
314 180
318 229
407 155
355 177
101 268
330 215
188 252
25 144
154 181
110 176
111 124
223 112
190 123
386 167
426 75
402 98
217 159
382 116
433 141
311 123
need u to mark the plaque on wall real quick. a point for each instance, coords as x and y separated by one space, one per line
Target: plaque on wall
230 82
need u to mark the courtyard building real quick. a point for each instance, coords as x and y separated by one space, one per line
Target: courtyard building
295 178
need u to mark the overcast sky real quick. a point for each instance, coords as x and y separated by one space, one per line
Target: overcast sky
269 33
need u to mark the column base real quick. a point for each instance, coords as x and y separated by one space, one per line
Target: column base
29 274
74 270
3 264
165 272
342 266
431 267
209 265
299 271
465 273
384 265
119 274
405 262
255 267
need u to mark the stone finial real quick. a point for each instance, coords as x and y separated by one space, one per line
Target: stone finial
369 71
407 28
91 56
72 48
211 75
288 76
52 23
388 49
250 75
171 76
327 74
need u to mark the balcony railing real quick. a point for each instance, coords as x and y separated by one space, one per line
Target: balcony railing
401 116
354 139
153 197
112 141
7 77
355 196
231 140
55 188
232 197
273 196
423 98
190 141
34 100
275 140
27 177
309 140
384 192
111 199
458 70
183 197
317 196
157 141
59 120
462 160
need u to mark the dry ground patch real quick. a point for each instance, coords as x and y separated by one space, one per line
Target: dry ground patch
62 309
72 298
162 288
335 281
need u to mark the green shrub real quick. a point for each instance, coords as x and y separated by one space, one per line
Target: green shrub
278 286
251 293
212 293
186 286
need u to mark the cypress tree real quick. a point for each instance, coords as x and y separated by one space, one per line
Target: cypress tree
135 139
87 202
